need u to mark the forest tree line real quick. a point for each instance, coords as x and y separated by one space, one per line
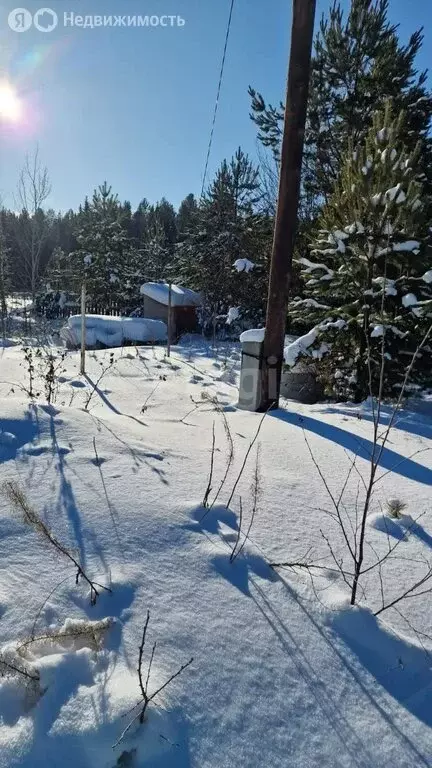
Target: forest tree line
362 258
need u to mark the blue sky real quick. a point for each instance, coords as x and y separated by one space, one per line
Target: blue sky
134 105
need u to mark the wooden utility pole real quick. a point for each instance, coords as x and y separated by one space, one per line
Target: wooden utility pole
83 328
288 200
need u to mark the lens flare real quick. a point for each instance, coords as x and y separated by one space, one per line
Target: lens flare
10 105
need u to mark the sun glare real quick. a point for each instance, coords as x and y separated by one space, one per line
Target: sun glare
10 105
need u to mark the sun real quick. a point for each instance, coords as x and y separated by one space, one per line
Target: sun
10 105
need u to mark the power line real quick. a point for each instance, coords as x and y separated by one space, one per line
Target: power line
217 96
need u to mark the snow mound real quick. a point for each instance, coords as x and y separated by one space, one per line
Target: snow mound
180 297
113 331
7 438
253 335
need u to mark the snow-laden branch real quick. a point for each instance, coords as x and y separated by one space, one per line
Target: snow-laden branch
302 345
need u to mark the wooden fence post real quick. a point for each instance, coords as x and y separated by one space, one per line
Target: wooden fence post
169 319
83 328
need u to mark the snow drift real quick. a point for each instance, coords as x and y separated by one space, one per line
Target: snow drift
113 331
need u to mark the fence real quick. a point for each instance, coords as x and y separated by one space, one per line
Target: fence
54 311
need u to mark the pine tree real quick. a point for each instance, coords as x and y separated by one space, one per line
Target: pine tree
163 218
157 255
368 289
227 227
186 216
105 255
358 63
139 223
60 272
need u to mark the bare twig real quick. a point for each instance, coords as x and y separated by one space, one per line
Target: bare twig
91 630
410 592
230 458
145 405
335 503
255 498
234 553
251 445
95 384
210 480
18 498
42 606
145 697
8 666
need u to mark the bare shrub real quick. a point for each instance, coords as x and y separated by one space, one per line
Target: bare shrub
359 558
144 680
95 385
17 497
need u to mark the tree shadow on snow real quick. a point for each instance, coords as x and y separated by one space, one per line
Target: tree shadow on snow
355 742
213 520
67 497
360 446
418 531
210 520
402 668
103 396
139 456
388 526
401 528
239 571
15 433
415 419
160 742
115 603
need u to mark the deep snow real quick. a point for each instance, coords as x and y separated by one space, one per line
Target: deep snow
113 331
281 676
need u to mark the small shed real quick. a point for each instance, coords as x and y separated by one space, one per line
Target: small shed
184 306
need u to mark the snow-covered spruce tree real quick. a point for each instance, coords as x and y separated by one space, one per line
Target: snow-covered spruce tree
358 63
60 272
105 256
186 216
368 284
228 227
157 255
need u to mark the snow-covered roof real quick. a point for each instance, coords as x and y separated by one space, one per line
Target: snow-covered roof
180 297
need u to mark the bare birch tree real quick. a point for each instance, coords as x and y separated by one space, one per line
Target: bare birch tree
34 187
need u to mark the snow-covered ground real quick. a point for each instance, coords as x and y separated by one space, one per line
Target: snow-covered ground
281 676
17 302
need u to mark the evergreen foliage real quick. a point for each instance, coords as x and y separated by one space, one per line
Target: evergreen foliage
358 63
4 274
227 227
105 257
370 269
